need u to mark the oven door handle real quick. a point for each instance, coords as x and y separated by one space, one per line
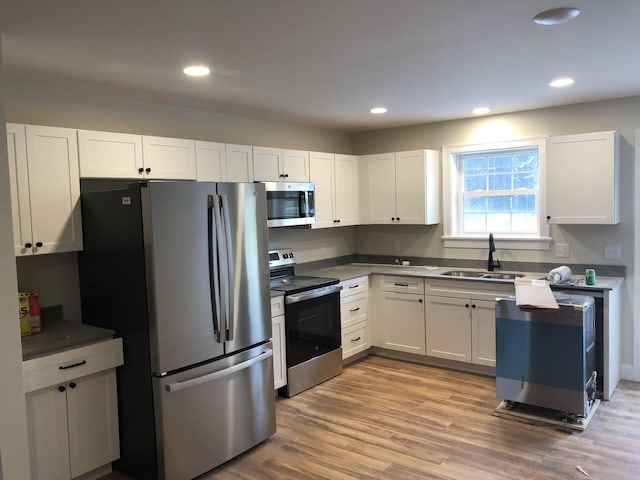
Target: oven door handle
309 294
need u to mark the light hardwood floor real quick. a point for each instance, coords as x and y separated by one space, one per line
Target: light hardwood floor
387 419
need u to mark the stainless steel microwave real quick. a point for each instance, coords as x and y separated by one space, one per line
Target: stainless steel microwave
290 204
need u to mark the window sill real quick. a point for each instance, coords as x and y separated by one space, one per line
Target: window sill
502 243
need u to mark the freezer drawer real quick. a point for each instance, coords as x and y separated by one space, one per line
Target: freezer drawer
547 358
208 415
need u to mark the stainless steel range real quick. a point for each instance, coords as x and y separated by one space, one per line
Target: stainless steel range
312 323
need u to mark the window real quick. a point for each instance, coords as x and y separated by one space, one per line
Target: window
495 188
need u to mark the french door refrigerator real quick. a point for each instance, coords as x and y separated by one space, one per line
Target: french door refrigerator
180 271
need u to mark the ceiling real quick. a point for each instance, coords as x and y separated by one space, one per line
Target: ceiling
325 63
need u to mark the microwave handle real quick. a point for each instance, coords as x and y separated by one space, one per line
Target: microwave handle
303 204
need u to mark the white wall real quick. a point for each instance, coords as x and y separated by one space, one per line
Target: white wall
13 430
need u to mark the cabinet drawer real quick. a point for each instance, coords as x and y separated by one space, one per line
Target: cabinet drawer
277 306
71 364
354 286
355 339
353 309
393 283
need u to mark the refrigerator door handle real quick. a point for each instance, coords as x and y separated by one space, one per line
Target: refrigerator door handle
214 274
230 279
177 386
223 272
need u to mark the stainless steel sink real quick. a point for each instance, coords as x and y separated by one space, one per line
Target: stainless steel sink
496 275
462 273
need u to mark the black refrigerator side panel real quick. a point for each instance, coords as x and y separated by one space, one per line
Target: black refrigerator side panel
113 295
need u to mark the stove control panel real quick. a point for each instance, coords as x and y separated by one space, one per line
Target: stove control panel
281 257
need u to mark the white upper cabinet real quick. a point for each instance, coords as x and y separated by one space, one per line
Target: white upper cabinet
583 175
45 189
321 174
404 187
169 158
337 186
122 155
278 165
211 162
239 163
110 155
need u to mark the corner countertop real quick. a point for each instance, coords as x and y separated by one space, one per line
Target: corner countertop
353 270
60 335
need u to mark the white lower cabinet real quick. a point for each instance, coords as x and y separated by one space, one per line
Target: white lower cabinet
72 411
399 314
354 304
278 340
460 320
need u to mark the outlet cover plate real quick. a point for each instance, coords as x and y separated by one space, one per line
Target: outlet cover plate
561 250
612 252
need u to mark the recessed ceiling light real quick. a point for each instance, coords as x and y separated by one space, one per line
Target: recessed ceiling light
556 16
378 110
561 82
196 70
481 110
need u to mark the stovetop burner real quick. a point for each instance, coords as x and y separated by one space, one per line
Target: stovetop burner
284 279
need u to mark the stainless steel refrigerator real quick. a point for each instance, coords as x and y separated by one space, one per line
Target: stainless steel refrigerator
180 271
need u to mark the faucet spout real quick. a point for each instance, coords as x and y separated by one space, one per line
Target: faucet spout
491 264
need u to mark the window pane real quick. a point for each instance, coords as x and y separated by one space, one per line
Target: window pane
524 222
475 165
498 164
524 203
475 183
525 180
474 222
499 222
499 204
523 162
499 182
474 204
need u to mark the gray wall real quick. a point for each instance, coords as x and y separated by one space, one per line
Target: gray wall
13 423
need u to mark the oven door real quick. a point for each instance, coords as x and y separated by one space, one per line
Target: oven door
312 324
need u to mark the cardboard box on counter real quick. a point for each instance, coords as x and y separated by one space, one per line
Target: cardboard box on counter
29 313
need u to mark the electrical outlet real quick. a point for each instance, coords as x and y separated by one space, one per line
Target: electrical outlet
612 252
561 250
396 245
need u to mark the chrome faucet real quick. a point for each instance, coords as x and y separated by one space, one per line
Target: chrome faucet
492 248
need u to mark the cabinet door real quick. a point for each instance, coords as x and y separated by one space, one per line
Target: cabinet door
239 163
109 155
295 165
410 187
169 158
355 339
483 332
583 179
47 430
448 328
346 190
19 186
54 188
93 422
402 325
353 309
382 188
321 174
211 165
279 352
267 164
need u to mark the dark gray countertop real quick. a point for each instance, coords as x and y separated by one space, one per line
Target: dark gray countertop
60 335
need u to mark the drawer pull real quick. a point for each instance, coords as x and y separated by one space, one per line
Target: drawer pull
357 339
73 365
402 284
355 286
355 309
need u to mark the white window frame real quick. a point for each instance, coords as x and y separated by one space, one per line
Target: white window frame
450 209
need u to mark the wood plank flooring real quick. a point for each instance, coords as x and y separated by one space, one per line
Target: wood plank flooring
388 419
